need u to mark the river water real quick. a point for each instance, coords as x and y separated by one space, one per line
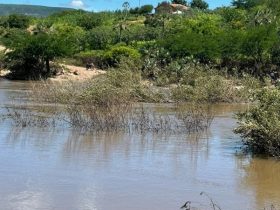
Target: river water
62 169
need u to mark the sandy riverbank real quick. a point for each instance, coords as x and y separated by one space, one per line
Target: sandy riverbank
69 72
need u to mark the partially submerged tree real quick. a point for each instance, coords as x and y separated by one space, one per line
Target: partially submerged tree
259 125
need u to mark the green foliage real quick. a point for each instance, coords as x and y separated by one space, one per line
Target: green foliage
100 38
2 59
240 39
114 55
145 9
17 21
234 18
72 35
199 4
30 56
199 83
259 126
258 42
89 21
183 2
188 43
153 21
110 57
244 4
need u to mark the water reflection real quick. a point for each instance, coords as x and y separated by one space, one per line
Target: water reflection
68 169
262 176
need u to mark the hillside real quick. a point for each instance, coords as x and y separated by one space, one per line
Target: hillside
32 10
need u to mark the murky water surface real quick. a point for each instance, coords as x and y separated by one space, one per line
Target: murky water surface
68 170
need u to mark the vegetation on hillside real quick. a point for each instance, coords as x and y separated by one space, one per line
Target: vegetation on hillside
30 10
243 39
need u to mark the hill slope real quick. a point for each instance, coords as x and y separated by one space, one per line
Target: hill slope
32 10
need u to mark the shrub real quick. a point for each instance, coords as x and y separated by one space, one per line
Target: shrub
146 9
108 58
114 55
199 4
210 89
203 84
260 125
17 21
31 55
94 56
100 38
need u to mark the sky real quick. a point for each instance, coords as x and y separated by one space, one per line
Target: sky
99 5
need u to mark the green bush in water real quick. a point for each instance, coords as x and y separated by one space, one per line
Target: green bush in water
260 125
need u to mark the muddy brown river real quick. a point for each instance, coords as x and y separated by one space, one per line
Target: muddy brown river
63 169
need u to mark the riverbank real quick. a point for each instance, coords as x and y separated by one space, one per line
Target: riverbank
67 73
52 163
76 73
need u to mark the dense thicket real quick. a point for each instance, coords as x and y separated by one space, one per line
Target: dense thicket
242 38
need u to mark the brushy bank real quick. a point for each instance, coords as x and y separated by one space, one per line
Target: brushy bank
110 102
127 83
260 125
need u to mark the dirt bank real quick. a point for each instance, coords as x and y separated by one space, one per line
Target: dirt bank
70 72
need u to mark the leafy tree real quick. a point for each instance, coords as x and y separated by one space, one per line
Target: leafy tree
234 18
134 11
204 47
89 21
30 55
257 46
231 42
183 2
146 9
244 4
17 21
100 38
199 4
204 24
73 35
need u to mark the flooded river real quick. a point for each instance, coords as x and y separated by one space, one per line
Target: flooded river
62 169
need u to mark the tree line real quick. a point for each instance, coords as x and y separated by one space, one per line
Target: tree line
242 37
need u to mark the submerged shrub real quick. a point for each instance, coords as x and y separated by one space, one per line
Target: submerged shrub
260 125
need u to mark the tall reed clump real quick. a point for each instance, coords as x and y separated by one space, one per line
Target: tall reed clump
106 103
259 126
195 117
23 117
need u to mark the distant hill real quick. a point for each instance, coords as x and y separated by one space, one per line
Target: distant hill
31 10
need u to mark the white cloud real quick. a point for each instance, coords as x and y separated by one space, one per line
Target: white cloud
77 3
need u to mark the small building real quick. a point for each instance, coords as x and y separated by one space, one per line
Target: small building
167 8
